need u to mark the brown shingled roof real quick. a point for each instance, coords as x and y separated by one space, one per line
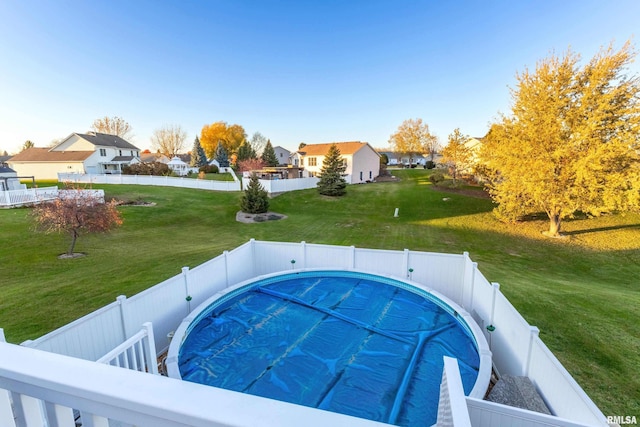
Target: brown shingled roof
321 149
36 154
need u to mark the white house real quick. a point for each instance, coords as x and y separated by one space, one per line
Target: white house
363 162
92 153
282 154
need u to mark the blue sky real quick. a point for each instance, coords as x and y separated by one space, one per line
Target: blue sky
312 71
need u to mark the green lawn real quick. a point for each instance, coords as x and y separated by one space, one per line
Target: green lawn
583 292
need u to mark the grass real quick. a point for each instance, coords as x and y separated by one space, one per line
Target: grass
582 292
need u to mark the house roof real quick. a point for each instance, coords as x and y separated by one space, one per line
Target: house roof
3 159
37 154
153 157
122 159
106 140
321 149
6 170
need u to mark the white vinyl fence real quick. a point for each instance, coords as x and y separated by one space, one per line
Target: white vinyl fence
164 181
284 185
516 347
14 198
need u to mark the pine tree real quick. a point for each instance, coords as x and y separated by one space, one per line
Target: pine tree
245 152
331 182
221 156
198 158
269 155
255 199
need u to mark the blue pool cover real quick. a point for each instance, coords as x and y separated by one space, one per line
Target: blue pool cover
343 343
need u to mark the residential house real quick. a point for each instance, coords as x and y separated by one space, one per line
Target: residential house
8 179
92 153
362 160
282 154
404 159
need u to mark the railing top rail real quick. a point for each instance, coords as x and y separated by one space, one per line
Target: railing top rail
148 400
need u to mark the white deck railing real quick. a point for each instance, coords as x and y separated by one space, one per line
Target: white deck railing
516 347
137 353
163 181
14 198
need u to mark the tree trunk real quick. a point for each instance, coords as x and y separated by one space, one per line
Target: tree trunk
74 237
554 225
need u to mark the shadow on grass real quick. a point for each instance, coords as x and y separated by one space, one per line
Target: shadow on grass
600 229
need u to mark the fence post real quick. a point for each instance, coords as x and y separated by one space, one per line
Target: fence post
353 257
303 255
452 405
150 353
405 264
474 269
252 242
121 299
496 288
533 333
226 268
187 295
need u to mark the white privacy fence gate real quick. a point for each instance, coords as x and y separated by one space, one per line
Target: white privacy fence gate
516 347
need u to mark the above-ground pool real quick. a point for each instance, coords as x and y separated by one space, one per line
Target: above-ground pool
343 341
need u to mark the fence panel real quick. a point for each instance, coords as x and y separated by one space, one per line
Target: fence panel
270 257
511 338
562 393
481 303
381 262
325 256
240 264
443 273
88 337
206 279
143 307
489 414
164 181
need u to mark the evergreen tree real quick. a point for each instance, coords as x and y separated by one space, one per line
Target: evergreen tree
269 155
255 199
245 152
221 156
331 181
198 157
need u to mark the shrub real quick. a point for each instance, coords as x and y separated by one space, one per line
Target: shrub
436 177
430 164
152 168
209 169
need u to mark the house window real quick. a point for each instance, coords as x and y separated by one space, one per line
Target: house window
132 153
370 175
312 161
119 152
280 154
301 161
360 175
103 152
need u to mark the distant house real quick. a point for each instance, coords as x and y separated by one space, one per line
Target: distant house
92 153
363 162
8 179
282 154
154 157
403 159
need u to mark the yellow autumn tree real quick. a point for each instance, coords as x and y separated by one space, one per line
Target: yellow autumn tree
413 138
571 141
456 155
229 136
